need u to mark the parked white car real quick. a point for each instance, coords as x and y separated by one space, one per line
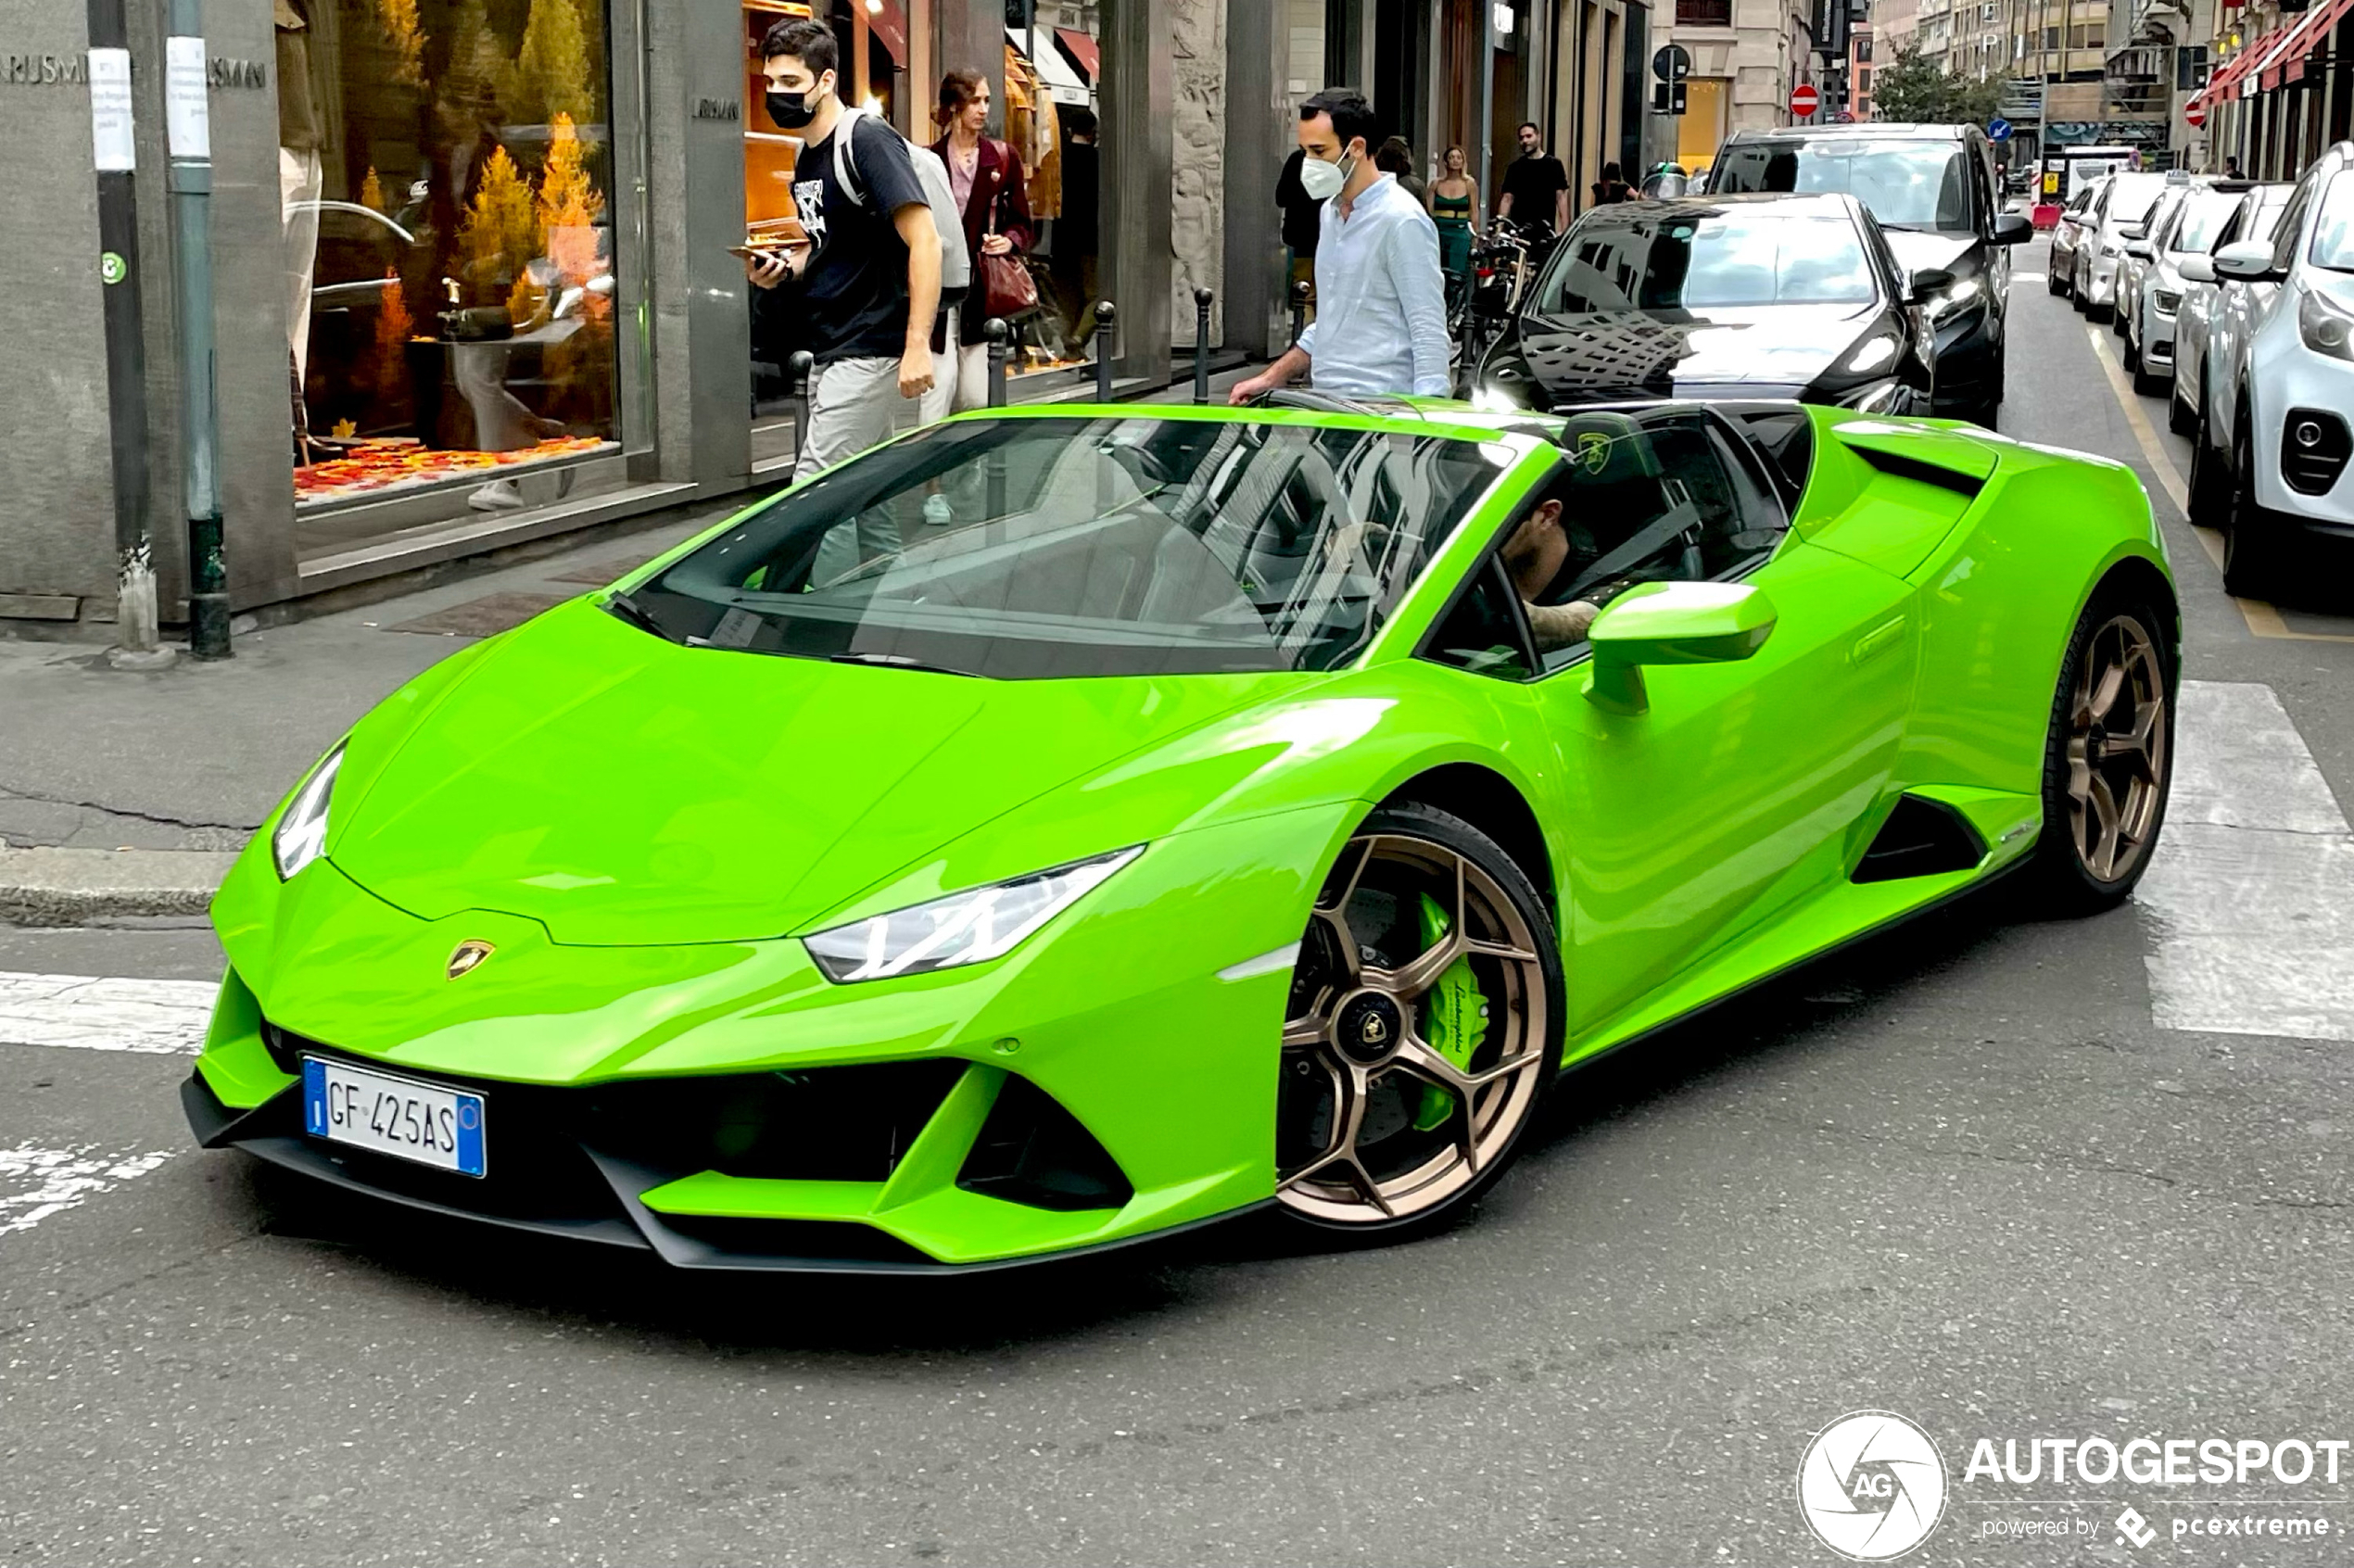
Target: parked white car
2187 224
2068 236
2134 265
2254 218
2117 216
2281 387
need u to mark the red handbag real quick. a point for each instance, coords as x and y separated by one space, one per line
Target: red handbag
1007 288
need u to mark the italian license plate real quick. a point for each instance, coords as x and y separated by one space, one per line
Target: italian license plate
401 1116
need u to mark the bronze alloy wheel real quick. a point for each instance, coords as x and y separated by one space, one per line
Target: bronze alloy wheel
2115 749
1415 1049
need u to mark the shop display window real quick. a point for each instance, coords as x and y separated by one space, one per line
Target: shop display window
445 169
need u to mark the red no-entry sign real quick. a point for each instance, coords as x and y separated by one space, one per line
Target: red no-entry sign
1804 100
2195 113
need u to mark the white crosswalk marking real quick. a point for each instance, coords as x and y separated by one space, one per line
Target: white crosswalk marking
37 1184
2252 888
87 1013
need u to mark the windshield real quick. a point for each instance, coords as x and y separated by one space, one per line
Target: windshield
1906 184
1031 548
2334 227
2132 197
2204 215
1694 260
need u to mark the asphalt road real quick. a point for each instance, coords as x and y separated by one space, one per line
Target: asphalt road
2008 1180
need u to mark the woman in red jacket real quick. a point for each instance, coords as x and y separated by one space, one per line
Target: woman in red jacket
987 178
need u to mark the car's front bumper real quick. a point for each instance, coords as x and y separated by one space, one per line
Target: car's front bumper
1117 1046
2100 279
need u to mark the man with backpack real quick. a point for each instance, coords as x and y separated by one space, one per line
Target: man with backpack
862 295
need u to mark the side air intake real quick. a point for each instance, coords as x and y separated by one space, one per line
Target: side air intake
1920 838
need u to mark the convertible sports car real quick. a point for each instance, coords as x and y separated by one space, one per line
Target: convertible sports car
1063 826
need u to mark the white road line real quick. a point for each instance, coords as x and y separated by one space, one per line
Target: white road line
89 1013
2252 890
37 1184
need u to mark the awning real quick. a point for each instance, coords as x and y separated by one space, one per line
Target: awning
2226 76
2307 36
887 20
2265 56
1083 51
1062 84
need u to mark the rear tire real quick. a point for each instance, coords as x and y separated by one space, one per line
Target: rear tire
2108 757
1409 1079
2210 490
2132 361
2051 285
2179 418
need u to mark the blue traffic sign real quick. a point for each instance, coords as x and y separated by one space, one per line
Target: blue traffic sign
1998 130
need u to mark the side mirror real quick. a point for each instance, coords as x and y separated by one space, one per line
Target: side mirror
2248 261
2138 248
1672 624
2131 230
1928 283
2197 269
2013 228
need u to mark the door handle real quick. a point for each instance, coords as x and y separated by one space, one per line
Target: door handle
1878 640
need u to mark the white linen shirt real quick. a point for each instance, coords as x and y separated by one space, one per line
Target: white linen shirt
1381 304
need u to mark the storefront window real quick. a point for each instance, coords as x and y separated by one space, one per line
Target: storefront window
445 168
1050 124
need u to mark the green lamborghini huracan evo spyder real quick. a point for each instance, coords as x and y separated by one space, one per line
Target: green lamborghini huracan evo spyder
1063 826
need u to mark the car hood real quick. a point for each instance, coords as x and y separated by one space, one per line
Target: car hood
1919 249
1584 357
624 790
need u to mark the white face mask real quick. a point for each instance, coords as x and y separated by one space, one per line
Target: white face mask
1323 181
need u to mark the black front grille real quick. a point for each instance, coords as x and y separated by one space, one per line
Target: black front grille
2314 446
828 1124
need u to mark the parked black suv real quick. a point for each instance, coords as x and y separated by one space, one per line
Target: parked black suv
1936 192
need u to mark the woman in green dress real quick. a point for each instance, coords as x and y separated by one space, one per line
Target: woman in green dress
1453 202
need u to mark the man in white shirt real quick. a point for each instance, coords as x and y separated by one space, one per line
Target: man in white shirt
1380 301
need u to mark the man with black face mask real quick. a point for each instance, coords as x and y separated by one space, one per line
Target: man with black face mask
862 295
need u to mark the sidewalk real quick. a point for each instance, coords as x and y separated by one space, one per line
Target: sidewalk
128 794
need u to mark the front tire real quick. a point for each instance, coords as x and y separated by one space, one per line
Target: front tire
2210 490
1423 1031
2181 418
2108 757
2257 554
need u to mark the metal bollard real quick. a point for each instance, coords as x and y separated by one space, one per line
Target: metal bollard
1201 345
799 369
1299 292
995 332
1106 337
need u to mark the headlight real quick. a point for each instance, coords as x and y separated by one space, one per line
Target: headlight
2323 326
1955 298
2167 300
1879 397
1870 354
301 835
965 927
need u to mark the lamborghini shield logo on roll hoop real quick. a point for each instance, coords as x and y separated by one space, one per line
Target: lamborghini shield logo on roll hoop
469 956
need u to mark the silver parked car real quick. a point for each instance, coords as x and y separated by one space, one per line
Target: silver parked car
2152 302
2258 213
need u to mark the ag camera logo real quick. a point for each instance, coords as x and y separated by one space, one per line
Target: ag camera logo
1872 1486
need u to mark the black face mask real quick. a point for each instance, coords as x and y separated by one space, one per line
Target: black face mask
791 110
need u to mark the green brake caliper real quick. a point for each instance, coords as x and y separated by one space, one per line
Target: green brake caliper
1454 1018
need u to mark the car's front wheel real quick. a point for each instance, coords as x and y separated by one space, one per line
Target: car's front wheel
2181 418
2257 553
2209 485
2108 757
1424 1028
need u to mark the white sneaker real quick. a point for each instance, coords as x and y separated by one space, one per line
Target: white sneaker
937 511
499 495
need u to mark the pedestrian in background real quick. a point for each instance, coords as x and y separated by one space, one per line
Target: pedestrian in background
865 287
1396 157
1612 187
986 178
1381 324
1303 216
1535 192
1453 204
1075 241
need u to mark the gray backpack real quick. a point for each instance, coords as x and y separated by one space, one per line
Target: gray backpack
956 263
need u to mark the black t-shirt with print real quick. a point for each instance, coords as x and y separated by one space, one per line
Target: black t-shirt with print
852 302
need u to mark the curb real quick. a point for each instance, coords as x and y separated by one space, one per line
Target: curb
70 887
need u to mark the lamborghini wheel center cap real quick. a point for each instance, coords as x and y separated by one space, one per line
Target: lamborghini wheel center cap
468 957
1368 1028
